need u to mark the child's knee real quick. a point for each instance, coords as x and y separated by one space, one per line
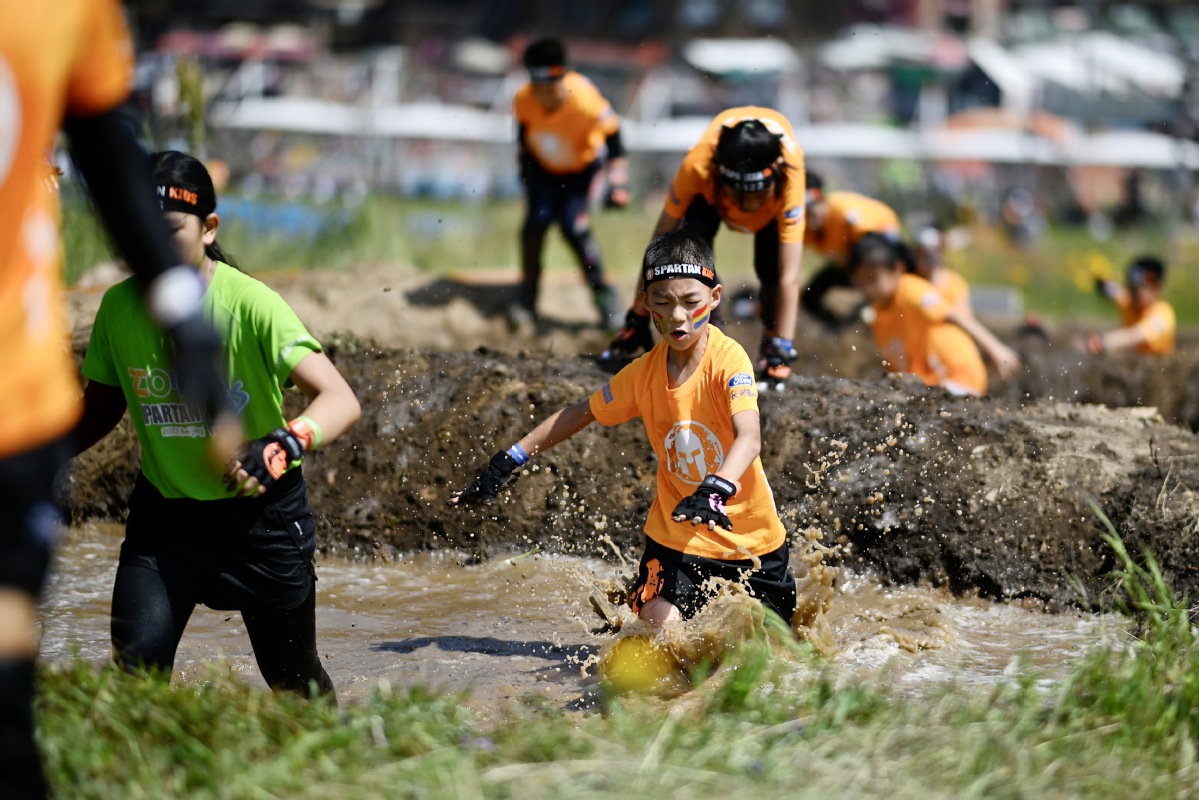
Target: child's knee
658 611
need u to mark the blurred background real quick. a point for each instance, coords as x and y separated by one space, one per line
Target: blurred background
1054 139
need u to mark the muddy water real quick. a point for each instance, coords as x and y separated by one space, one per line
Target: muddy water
509 627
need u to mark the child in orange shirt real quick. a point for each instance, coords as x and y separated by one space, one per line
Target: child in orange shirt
568 134
917 331
1148 323
714 514
929 263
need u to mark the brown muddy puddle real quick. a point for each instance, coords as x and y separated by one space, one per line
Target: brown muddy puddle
510 627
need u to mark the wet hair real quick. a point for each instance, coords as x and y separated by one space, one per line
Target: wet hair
1146 270
545 59
875 249
171 168
679 246
749 157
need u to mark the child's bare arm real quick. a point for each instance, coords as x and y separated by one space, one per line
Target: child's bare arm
1006 360
1119 339
558 427
747 445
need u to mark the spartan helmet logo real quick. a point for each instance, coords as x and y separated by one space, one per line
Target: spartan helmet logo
551 149
692 451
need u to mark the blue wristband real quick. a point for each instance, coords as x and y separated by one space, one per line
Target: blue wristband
518 454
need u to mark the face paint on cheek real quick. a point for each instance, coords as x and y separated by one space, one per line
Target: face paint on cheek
659 322
700 317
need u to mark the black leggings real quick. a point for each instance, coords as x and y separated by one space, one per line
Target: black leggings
811 298
561 199
150 609
702 219
253 555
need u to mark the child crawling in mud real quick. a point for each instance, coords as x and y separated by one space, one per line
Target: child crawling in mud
714 513
916 328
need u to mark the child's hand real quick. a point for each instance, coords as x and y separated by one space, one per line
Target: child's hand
488 483
707 504
262 462
1007 361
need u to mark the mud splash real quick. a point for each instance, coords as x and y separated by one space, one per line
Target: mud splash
506 628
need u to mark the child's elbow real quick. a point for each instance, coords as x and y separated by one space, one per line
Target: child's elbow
353 409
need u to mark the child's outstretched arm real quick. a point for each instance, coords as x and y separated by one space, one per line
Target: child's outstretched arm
1006 360
1115 340
558 427
707 504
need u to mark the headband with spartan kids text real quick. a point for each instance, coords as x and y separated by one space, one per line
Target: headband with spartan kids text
665 272
180 198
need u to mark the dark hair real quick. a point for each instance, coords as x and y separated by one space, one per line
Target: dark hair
813 180
750 147
874 248
679 246
173 168
1149 265
545 53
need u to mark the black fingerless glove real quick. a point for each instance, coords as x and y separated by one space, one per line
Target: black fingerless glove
707 503
489 482
268 458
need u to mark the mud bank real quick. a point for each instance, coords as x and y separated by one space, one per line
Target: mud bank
980 496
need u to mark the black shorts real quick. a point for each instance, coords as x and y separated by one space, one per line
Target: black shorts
250 552
29 520
679 578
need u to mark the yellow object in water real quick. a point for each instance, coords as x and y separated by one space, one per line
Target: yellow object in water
637 664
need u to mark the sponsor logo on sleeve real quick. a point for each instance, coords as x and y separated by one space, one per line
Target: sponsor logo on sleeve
607 393
741 379
794 216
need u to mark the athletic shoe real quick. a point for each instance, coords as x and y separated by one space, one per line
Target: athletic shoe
632 338
608 308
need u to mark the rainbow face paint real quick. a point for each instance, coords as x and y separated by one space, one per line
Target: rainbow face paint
700 316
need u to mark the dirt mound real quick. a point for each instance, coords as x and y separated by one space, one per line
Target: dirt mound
986 496
924 487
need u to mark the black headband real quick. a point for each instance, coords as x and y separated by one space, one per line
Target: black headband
665 272
748 181
546 74
180 198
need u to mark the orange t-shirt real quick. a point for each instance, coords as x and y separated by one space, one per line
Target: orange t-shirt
691 428
1156 323
696 177
573 136
56 58
913 336
954 288
850 217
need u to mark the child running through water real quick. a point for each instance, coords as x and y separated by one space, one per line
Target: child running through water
917 330
244 540
714 513
1148 323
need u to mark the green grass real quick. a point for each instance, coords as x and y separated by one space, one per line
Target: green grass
774 721
1057 277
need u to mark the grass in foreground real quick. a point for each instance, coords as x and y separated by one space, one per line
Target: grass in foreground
772 722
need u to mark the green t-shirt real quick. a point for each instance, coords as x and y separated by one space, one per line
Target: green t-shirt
264 340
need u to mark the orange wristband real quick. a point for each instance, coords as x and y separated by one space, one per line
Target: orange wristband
307 431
